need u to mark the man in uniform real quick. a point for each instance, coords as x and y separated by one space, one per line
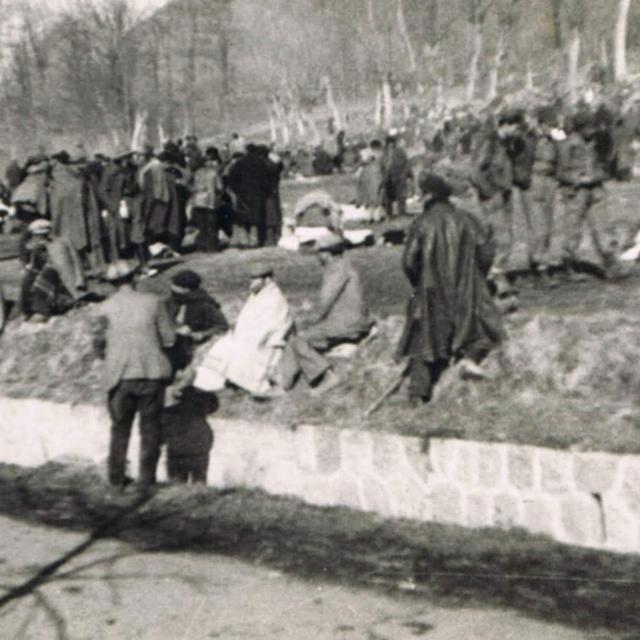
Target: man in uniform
582 179
493 180
544 186
397 171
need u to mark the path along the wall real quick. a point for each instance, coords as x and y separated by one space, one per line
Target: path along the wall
587 499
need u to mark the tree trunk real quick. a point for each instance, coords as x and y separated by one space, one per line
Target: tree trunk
620 41
431 23
138 134
573 60
224 64
475 61
331 103
372 16
379 109
190 73
387 101
273 129
494 74
281 119
404 33
556 8
529 81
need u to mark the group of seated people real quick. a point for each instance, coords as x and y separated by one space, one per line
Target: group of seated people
267 350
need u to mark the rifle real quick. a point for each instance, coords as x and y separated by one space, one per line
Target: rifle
411 325
389 391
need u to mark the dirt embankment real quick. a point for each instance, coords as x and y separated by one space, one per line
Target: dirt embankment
562 380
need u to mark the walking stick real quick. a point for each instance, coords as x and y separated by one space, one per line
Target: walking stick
389 391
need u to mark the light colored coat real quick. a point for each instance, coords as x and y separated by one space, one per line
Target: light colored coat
341 312
248 355
139 328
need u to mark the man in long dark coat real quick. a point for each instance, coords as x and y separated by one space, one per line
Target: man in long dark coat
451 314
273 207
75 210
249 180
164 199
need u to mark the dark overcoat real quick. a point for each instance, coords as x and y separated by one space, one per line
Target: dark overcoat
446 258
75 212
249 180
273 208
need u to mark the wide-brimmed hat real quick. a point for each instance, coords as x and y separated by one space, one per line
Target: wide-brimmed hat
435 185
260 270
40 227
119 270
186 279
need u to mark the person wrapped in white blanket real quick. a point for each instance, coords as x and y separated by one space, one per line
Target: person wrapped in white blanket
249 355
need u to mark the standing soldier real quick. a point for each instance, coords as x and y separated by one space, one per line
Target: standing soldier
582 180
543 194
397 171
493 180
520 143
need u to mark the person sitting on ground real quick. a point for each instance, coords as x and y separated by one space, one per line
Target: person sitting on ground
54 280
451 314
341 313
248 356
198 318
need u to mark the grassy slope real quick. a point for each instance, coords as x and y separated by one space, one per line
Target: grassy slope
571 361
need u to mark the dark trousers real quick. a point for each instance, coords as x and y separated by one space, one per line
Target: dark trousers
188 467
207 223
395 192
423 376
129 397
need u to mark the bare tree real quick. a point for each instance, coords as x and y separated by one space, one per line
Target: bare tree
620 40
406 38
476 15
556 10
507 11
575 12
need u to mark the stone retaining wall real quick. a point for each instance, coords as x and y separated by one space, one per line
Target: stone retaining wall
587 499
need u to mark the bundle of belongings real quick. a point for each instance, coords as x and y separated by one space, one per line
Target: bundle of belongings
316 215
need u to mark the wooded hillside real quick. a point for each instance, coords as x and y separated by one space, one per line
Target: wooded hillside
99 69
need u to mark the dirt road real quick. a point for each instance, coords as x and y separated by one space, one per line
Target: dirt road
112 591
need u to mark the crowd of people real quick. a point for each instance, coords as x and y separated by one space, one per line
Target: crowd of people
76 215
149 345
80 219
555 162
